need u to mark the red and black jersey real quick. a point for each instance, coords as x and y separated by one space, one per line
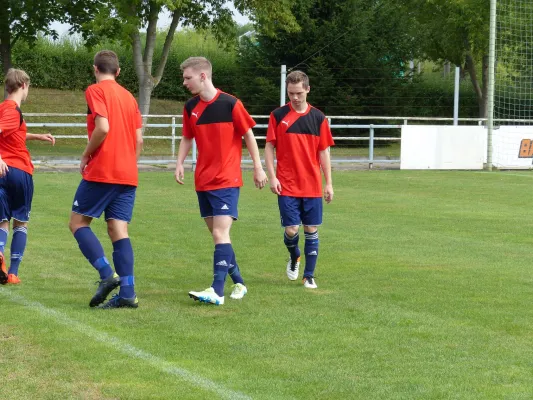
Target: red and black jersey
13 137
299 139
218 127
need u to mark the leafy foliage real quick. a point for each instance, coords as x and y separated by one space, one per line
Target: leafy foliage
354 51
23 20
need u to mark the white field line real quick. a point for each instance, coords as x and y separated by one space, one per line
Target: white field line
125 348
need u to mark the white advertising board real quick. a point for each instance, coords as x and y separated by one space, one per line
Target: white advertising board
443 147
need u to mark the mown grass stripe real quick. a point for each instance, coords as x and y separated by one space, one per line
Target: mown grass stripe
125 348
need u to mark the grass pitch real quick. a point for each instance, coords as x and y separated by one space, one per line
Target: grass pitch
425 289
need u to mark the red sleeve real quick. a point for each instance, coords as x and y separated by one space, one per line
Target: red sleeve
326 139
96 102
271 131
9 121
242 121
186 130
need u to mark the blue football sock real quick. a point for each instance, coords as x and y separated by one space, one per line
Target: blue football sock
221 262
292 245
311 253
123 260
127 287
3 239
234 271
18 244
93 251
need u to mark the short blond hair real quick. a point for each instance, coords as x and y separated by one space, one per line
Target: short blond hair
296 77
14 80
199 64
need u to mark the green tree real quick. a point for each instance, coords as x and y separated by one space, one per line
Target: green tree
349 48
124 19
455 31
24 20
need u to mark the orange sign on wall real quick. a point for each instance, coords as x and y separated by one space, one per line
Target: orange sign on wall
526 148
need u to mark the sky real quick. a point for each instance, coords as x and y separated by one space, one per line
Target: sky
163 23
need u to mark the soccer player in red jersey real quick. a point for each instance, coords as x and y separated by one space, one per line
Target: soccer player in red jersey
299 138
218 122
110 177
16 169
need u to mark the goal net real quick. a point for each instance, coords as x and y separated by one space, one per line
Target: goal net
513 86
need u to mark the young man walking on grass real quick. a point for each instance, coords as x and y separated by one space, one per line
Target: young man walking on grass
110 177
218 122
16 169
299 138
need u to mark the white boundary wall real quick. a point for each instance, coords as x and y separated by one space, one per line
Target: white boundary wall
443 147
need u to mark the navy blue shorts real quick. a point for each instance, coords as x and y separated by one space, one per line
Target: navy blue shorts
94 198
215 203
300 210
16 194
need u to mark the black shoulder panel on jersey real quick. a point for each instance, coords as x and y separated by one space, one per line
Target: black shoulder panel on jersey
309 124
21 117
221 110
280 113
191 103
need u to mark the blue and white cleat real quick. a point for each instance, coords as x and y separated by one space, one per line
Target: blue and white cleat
207 296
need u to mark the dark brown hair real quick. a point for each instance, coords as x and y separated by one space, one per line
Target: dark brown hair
107 62
296 77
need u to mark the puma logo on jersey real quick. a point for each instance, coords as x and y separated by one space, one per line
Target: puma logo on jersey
195 114
285 122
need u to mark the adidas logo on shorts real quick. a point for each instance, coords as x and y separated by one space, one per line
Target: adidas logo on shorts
225 207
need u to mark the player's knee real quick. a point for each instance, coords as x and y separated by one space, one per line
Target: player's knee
117 231
112 231
220 235
291 230
73 226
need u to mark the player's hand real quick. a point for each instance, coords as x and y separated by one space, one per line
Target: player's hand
47 137
328 193
260 178
3 168
180 174
275 186
83 163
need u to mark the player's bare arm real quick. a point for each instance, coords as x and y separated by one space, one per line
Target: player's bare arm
140 141
44 137
325 163
100 132
3 166
185 147
260 177
275 185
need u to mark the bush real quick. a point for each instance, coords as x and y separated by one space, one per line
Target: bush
67 64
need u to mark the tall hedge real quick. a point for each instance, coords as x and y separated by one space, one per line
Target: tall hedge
67 64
